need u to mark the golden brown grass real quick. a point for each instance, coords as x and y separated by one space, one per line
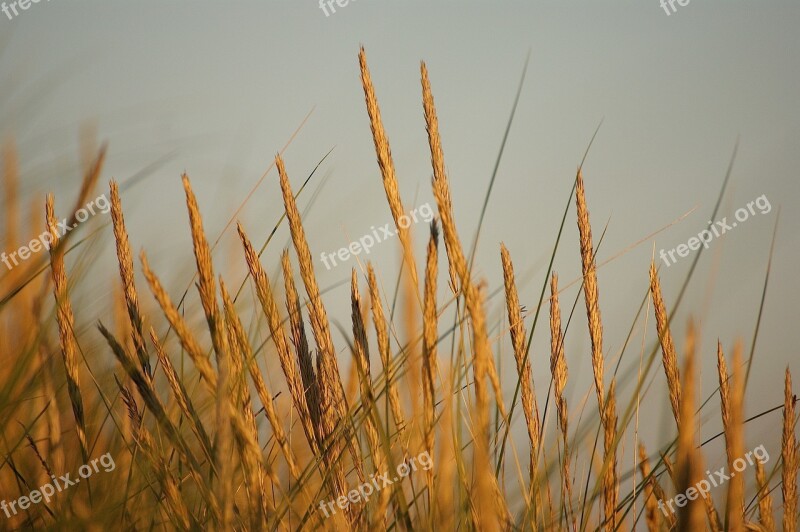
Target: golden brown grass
262 435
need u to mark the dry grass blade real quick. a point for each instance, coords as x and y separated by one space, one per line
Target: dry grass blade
610 475
154 404
66 327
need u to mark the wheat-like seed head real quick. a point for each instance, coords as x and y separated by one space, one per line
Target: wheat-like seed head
386 165
125 260
734 440
652 515
382 332
791 457
205 271
66 327
299 339
590 289
332 393
517 330
270 308
668 354
439 174
558 369
181 395
765 517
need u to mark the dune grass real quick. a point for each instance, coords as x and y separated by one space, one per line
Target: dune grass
211 427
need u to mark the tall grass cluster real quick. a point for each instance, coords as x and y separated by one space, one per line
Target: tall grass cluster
250 417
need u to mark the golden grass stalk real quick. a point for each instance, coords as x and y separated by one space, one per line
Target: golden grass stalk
181 395
610 475
734 441
430 363
223 444
517 331
382 332
689 466
270 308
590 290
240 393
386 165
724 394
558 368
178 323
66 327
362 363
608 416
125 260
441 191
439 172
790 454
652 515
332 405
488 510
765 517
299 340
206 285
668 355
178 513
154 404
90 177
446 458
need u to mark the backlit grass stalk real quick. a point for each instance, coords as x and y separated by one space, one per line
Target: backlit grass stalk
125 260
66 327
608 415
790 454
690 462
668 355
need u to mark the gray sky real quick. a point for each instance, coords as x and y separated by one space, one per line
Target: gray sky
222 86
